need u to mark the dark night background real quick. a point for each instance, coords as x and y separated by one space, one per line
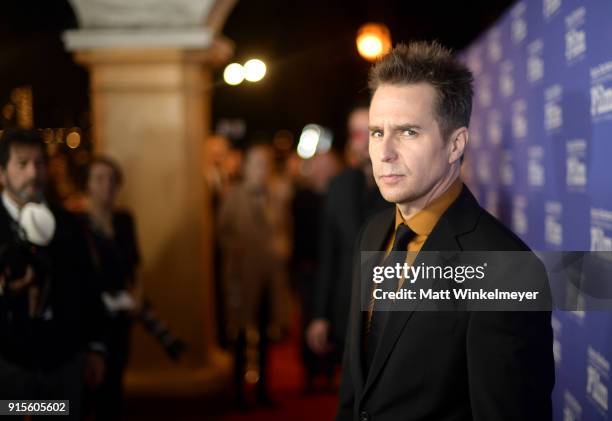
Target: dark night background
314 73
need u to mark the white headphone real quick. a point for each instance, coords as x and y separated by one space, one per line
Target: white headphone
38 223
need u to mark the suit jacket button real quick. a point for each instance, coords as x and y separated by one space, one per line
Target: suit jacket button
364 416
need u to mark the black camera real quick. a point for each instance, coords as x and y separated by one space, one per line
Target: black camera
173 346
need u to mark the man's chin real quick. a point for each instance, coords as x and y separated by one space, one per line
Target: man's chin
398 196
393 197
31 196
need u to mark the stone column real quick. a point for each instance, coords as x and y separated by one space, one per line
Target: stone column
150 65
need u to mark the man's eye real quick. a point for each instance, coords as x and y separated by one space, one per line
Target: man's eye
376 134
409 132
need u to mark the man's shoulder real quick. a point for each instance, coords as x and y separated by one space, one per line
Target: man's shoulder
5 224
475 229
490 233
380 219
376 227
4 216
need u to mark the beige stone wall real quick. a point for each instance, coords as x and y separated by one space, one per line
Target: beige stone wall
151 111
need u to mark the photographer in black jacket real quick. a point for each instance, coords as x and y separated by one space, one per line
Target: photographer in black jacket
50 313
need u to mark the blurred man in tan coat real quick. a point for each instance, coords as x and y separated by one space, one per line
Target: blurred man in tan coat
254 234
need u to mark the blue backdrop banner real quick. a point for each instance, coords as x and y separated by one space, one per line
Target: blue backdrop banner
540 159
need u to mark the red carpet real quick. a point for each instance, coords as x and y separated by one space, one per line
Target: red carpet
286 388
286 384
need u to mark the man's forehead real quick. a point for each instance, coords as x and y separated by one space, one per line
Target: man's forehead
423 91
26 151
413 101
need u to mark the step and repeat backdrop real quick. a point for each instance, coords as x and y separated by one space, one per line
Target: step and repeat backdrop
540 159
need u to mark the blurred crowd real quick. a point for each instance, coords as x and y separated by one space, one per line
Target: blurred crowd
69 256
286 230
69 289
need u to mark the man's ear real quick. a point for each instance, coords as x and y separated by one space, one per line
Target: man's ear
457 144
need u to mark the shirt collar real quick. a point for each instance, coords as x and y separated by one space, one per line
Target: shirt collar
426 219
11 206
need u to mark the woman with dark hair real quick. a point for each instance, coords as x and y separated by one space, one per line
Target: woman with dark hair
115 253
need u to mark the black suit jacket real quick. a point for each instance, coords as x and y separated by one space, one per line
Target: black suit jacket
348 204
450 365
42 344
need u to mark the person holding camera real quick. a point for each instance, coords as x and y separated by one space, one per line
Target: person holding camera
51 315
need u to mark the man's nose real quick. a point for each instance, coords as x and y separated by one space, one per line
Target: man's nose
388 152
32 170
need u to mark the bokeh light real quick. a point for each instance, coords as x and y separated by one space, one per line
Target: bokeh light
73 140
233 74
314 138
307 146
373 40
254 70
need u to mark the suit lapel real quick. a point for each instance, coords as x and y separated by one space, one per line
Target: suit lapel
373 240
459 218
5 223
